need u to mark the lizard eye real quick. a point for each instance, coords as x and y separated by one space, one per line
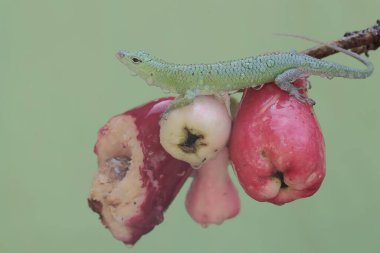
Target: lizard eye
136 60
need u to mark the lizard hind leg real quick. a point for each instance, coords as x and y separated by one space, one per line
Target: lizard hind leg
284 82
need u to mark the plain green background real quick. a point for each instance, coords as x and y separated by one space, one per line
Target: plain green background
60 82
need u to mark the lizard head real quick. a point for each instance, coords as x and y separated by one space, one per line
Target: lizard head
138 62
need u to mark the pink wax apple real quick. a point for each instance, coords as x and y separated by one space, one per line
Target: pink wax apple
276 146
196 132
137 179
212 197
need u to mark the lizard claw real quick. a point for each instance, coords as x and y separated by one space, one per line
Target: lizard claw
302 98
310 101
258 87
301 89
308 84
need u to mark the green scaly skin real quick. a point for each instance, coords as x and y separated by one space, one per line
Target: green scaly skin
190 80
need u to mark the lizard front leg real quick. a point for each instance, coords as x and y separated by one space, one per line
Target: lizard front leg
182 101
284 82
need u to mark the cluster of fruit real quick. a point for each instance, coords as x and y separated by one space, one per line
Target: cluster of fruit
274 144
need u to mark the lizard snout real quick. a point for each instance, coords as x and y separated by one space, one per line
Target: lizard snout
120 55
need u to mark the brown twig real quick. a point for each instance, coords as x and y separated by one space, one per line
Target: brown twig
358 41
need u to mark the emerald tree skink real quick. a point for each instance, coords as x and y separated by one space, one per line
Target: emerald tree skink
190 80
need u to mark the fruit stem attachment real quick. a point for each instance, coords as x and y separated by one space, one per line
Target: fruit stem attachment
358 41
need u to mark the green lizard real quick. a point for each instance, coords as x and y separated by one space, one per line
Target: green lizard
191 80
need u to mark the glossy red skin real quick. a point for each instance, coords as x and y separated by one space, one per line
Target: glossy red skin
169 172
273 131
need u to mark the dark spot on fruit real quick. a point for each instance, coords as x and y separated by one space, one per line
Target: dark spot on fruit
134 202
215 150
204 159
96 206
118 167
280 176
263 154
192 141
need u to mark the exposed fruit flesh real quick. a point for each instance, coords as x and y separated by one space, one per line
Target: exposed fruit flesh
137 179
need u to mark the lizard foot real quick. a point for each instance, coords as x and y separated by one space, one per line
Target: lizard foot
301 97
180 101
308 84
258 87
284 82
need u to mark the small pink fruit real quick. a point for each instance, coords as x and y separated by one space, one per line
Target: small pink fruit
212 197
137 179
276 146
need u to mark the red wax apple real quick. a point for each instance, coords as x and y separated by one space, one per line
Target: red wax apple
212 197
276 146
137 179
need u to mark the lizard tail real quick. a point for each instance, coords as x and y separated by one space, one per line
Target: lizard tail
363 73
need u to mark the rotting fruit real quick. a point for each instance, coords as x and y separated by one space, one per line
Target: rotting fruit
137 179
